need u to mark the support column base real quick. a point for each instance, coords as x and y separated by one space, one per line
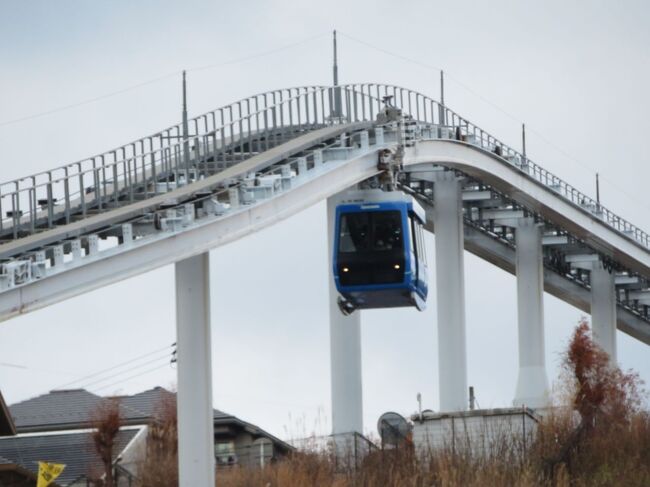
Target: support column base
532 388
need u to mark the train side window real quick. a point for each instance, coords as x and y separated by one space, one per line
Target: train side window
421 244
415 244
424 245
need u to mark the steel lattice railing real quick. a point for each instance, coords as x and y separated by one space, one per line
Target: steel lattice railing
166 157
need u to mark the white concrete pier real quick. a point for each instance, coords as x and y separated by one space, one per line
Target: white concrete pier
532 383
603 309
345 351
450 287
195 423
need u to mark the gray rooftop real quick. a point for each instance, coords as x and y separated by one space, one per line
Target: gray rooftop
146 405
74 409
75 450
58 410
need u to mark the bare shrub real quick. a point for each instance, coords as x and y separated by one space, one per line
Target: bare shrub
106 422
160 466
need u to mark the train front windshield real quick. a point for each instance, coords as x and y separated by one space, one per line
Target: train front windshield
371 248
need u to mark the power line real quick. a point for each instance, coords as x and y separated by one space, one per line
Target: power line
14 366
503 111
258 55
131 377
95 374
139 366
434 68
159 78
88 101
36 369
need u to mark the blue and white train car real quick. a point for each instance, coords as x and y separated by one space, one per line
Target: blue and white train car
379 256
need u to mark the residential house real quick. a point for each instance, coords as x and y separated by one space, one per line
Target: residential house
57 427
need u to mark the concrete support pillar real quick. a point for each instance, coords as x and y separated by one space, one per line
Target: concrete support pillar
195 423
345 351
532 384
603 309
450 286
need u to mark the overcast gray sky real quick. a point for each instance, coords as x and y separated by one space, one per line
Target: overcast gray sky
575 71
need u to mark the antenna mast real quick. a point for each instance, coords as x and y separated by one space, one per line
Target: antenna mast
336 92
186 133
336 67
442 115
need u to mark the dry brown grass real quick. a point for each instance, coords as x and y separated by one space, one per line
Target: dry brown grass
387 468
601 437
614 456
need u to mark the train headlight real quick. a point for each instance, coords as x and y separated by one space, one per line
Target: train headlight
345 269
396 266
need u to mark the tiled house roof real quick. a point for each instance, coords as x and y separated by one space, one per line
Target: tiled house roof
59 410
56 427
74 408
74 449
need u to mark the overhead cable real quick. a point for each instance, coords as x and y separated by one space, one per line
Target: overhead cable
158 79
116 366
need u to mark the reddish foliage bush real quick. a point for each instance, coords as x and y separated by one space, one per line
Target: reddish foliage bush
602 391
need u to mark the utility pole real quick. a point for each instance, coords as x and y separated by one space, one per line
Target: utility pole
597 192
442 115
186 132
335 73
336 67
523 146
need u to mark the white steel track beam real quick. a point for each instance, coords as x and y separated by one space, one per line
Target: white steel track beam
530 193
503 257
196 459
532 383
603 309
345 351
122 262
450 287
133 210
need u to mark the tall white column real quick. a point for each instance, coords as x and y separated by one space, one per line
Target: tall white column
450 286
345 351
532 384
603 309
195 423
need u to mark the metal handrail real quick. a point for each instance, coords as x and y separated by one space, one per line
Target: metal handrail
279 109
224 194
451 125
241 123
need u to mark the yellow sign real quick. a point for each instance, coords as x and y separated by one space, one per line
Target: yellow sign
48 472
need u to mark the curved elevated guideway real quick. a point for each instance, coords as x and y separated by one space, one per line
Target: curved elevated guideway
174 195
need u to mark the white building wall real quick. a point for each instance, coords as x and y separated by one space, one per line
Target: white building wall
474 433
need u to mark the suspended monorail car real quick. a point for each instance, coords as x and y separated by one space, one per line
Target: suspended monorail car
379 256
